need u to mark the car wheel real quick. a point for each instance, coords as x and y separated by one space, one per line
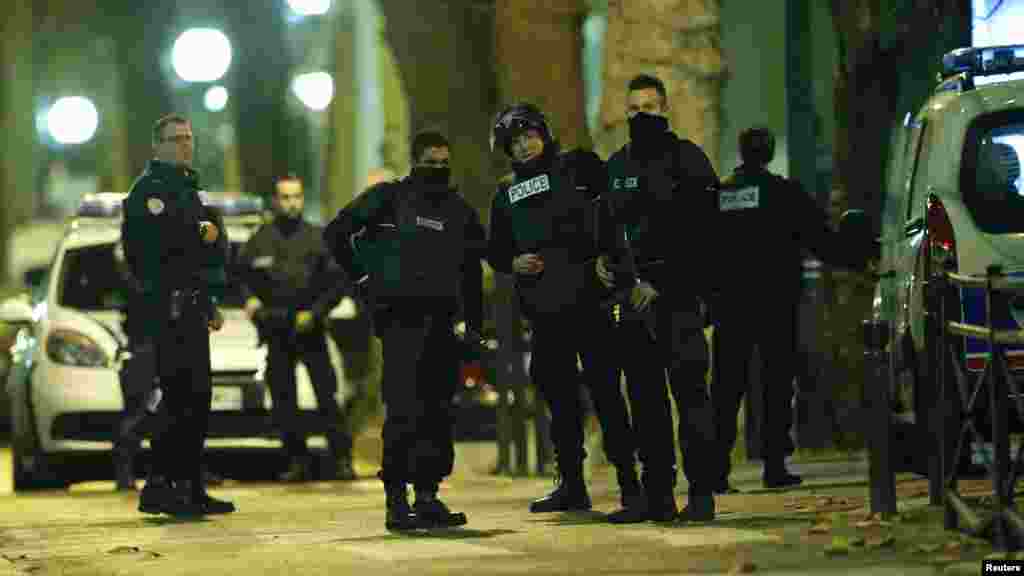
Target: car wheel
33 472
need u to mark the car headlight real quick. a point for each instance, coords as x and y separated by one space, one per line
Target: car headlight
75 349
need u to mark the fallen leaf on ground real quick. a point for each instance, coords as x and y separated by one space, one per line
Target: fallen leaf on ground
743 567
953 546
944 559
123 550
866 524
927 548
840 546
884 542
820 529
857 541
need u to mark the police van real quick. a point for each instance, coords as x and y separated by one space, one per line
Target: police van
63 384
954 201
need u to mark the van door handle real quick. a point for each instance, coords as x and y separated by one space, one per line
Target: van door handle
914 227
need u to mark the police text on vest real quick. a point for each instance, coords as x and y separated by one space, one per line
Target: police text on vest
742 199
528 188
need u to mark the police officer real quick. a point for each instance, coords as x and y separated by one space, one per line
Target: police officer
542 230
415 247
658 186
290 284
178 257
755 206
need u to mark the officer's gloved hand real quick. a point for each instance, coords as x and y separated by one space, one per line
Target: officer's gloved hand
216 321
208 231
304 321
605 275
642 296
252 305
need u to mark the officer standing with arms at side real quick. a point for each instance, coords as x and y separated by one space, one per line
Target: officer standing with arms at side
415 247
659 207
755 205
178 256
542 230
290 284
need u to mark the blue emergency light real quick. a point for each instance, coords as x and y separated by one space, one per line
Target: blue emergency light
983 61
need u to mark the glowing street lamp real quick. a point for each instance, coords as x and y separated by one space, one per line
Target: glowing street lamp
309 7
314 89
216 98
72 120
201 55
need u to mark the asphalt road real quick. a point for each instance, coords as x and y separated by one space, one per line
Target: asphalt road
337 528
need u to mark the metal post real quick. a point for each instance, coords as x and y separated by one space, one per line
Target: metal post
998 412
876 392
948 416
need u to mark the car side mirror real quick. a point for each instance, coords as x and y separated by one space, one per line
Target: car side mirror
16 311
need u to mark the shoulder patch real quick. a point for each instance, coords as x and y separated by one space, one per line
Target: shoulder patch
155 205
739 199
528 188
431 223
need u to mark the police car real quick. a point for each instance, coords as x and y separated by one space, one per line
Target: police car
63 385
954 201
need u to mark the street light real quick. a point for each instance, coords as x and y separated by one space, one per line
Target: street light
314 89
201 55
309 7
216 98
72 120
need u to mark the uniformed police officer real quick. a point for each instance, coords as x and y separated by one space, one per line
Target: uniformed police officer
756 207
290 284
178 257
542 230
658 186
415 246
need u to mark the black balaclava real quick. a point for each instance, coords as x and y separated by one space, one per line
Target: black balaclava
647 131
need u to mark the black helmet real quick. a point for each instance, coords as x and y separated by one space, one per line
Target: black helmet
516 119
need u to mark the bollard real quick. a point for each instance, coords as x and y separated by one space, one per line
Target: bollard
876 395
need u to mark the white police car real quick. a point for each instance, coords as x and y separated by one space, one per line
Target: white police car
63 385
954 200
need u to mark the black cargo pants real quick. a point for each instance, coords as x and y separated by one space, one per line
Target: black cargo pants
421 371
589 332
678 350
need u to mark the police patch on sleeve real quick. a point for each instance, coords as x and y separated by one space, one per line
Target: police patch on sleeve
742 199
430 223
528 188
155 206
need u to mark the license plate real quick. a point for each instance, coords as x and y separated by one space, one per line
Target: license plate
226 398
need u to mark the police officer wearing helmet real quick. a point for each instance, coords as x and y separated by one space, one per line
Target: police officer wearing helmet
290 284
415 245
658 205
178 257
542 230
763 224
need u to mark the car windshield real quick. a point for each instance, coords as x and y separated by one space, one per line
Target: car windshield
94 278
991 179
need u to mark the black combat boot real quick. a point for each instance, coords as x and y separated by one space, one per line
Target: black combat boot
776 476
298 471
634 501
571 493
661 500
400 516
155 494
124 473
700 507
431 512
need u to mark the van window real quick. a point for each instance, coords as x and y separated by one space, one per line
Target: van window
990 178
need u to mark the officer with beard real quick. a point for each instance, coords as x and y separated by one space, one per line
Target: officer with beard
753 203
415 247
542 230
290 284
658 207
